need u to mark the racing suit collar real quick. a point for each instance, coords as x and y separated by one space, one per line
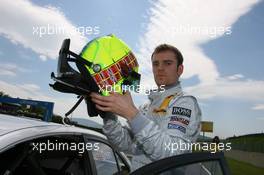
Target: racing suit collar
172 85
169 90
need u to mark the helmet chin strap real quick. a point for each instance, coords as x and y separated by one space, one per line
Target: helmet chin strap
75 106
66 120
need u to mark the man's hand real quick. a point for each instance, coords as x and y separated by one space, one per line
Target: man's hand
119 104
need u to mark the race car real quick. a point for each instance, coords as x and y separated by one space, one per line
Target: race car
32 146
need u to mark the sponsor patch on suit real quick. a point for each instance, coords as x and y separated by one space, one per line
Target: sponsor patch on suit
176 119
175 126
181 111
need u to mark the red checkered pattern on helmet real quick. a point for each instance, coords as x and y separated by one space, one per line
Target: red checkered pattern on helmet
112 74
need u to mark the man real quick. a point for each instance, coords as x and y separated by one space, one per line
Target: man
170 118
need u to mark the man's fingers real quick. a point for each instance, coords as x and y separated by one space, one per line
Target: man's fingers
100 97
100 102
114 93
128 93
103 108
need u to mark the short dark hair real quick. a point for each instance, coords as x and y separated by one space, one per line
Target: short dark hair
167 47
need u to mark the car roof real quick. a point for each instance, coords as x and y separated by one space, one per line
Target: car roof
16 129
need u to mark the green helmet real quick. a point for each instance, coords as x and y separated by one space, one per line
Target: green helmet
105 62
113 63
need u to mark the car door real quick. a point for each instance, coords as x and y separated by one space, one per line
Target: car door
104 159
47 155
202 163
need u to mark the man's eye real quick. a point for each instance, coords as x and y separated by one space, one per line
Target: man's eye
155 64
168 63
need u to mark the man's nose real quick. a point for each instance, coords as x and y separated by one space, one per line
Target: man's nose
161 67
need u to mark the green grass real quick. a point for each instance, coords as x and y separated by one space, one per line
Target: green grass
253 143
242 168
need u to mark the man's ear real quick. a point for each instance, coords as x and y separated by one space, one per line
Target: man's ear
180 70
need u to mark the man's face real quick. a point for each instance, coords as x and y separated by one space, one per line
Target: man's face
165 69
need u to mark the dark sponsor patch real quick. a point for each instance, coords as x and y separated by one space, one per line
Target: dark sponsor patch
181 111
175 126
179 119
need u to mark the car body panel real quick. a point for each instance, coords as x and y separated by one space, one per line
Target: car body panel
14 130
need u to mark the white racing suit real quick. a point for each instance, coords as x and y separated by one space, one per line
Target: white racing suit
156 132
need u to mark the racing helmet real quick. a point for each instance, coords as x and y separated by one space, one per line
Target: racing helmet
113 64
105 62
